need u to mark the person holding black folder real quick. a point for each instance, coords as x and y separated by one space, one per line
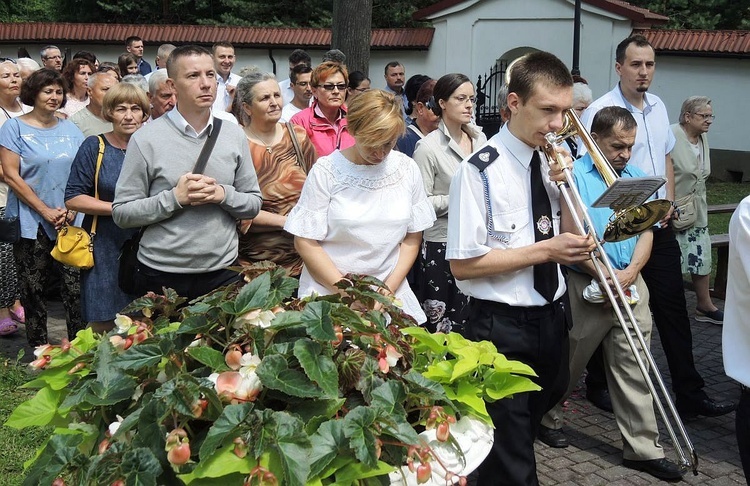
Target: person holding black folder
187 209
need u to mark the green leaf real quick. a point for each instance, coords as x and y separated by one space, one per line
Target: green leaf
402 430
139 356
319 368
180 394
141 467
225 425
253 295
311 409
286 319
55 378
390 397
39 410
370 377
274 373
317 320
501 385
111 385
59 451
426 341
466 394
326 443
294 447
501 363
209 357
198 324
358 429
219 464
418 384
354 471
440 371
466 364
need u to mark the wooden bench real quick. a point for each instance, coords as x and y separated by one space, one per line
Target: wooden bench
721 243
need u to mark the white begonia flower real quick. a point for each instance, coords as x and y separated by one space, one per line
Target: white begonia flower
259 318
42 350
248 364
392 356
115 425
161 377
123 323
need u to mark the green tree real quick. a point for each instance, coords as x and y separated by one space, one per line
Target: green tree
706 14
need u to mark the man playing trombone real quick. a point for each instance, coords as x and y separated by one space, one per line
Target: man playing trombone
594 322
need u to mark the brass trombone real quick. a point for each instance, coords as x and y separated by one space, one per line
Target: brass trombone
625 223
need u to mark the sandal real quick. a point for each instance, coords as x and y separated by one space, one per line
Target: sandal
7 326
19 316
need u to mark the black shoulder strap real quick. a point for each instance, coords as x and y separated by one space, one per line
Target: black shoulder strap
483 157
208 147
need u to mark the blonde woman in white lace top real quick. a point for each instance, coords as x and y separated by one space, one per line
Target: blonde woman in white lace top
363 209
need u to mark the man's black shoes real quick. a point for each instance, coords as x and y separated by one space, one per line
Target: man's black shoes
600 398
663 468
552 437
706 407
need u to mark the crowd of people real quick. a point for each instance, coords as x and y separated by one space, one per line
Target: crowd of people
324 175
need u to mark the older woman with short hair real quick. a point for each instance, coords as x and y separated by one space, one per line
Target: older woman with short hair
692 166
325 120
36 152
125 106
363 208
280 168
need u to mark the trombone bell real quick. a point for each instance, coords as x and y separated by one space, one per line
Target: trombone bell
635 220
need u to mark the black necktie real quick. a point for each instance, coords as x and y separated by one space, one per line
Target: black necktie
545 274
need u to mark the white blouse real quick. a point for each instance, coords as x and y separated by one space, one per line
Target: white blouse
360 214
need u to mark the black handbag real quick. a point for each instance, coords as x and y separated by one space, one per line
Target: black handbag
129 251
10 230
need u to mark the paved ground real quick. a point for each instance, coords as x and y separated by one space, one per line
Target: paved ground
594 457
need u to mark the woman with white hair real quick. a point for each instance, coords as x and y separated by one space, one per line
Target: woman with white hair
692 166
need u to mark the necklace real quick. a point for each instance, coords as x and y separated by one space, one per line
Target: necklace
269 146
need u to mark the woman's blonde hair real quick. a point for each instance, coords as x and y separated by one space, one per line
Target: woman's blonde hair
375 118
125 93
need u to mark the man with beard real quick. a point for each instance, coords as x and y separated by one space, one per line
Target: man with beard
635 65
594 322
395 77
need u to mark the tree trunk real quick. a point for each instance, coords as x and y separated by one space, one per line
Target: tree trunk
352 22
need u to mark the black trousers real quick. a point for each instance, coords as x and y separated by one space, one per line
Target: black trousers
663 276
189 285
742 428
537 336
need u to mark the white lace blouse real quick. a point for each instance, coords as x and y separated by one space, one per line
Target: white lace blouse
360 214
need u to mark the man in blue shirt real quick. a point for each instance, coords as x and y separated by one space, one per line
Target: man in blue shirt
614 131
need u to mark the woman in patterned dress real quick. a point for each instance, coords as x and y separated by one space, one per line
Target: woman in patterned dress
281 172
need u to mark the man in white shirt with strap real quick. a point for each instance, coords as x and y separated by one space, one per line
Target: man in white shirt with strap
497 245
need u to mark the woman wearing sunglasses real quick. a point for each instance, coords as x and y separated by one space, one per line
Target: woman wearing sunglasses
325 120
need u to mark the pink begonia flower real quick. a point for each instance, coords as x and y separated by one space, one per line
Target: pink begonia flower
43 350
241 385
389 358
257 317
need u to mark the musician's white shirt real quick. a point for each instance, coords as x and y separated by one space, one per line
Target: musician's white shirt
509 179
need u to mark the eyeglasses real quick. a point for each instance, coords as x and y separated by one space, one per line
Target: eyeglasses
303 84
705 116
47 58
361 90
461 100
331 87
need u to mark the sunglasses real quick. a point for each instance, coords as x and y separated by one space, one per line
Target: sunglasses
331 87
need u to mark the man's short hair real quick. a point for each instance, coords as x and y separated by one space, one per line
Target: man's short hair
93 77
165 50
43 52
216 45
133 38
537 67
138 80
156 79
297 70
334 55
637 39
89 56
609 117
392 64
300 55
185 51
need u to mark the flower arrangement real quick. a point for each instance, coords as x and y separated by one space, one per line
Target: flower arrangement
247 385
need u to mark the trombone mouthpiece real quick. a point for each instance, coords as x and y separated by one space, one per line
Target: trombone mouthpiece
551 138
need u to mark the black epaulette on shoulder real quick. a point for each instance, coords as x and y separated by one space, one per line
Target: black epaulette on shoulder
484 157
